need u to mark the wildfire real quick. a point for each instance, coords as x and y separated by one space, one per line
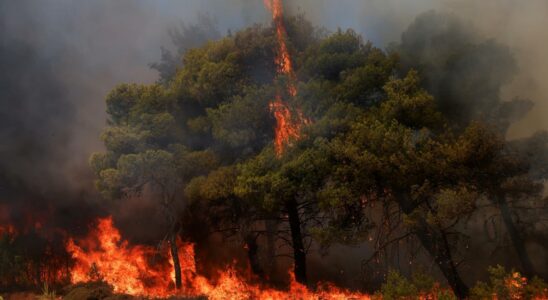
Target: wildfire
105 256
147 271
289 124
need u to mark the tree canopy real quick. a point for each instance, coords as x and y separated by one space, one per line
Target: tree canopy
385 132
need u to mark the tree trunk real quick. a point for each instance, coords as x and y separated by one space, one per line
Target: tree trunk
271 231
299 255
434 240
175 258
517 241
253 255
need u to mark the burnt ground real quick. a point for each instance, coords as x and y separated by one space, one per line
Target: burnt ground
85 291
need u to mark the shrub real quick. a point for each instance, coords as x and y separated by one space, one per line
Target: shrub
509 285
419 286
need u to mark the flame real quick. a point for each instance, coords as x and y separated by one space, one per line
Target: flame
289 124
104 255
287 127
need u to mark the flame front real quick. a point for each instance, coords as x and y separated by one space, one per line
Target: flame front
288 123
147 271
105 256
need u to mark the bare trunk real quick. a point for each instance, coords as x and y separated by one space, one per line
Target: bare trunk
271 228
517 241
175 258
299 254
434 240
253 255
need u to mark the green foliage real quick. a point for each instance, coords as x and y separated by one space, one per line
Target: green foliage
363 85
409 104
123 140
154 166
211 75
218 185
245 123
509 285
453 203
418 287
337 53
398 287
120 101
342 68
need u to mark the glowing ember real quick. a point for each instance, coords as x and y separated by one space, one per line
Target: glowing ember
145 271
288 125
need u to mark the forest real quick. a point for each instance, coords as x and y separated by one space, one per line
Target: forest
395 160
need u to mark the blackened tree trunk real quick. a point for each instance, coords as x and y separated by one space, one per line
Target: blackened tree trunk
271 231
515 236
175 258
434 240
253 254
299 255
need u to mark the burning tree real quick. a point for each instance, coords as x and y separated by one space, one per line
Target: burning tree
160 138
282 140
307 139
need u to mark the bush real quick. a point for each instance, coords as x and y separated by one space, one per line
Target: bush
420 286
509 285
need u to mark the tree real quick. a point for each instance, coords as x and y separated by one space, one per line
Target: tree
141 153
204 142
466 73
184 38
391 155
161 136
270 185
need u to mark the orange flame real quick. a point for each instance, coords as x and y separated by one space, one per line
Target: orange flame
104 255
288 126
133 270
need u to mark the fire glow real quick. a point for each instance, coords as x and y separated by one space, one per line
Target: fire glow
147 271
288 123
